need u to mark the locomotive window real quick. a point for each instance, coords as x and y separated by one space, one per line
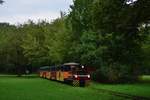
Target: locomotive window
82 72
65 68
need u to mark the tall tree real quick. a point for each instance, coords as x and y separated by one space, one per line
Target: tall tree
58 41
80 16
118 23
11 53
33 43
1 1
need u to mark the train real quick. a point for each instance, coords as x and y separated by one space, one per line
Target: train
72 73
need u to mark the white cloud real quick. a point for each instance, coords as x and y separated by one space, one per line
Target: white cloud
15 19
19 11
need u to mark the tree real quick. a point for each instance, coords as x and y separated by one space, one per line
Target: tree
50 42
1 1
33 44
80 17
11 54
146 54
79 23
118 24
58 41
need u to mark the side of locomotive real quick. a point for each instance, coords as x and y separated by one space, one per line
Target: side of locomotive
72 73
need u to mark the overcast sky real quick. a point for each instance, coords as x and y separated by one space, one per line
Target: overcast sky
19 11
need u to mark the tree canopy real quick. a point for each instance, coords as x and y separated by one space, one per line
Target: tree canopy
1 1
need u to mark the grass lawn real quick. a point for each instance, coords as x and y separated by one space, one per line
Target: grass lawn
144 78
138 89
34 88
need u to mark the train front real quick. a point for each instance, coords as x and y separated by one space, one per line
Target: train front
79 75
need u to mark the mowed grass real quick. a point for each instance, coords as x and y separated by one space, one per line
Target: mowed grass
34 88
137 89
144 78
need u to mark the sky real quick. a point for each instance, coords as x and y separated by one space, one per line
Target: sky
20 11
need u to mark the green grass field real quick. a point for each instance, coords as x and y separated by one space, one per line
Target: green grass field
34 88
144 78
27 88
138 89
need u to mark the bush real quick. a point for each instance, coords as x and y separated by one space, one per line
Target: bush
115 73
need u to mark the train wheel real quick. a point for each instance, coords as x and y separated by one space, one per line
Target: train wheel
75 83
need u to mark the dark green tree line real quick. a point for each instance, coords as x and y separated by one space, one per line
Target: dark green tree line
33 45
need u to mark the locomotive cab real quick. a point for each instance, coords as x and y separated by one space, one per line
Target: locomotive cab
79 75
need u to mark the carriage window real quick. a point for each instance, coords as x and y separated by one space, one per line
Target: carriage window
62 68
53 68
57 68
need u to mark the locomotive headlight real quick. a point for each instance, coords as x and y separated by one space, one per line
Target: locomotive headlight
76 76
82 66
88 76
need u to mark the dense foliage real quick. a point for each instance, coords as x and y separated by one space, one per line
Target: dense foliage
1 1
110 35
116 28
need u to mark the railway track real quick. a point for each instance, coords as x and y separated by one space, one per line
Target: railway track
124 95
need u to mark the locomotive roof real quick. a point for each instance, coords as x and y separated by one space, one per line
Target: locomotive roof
71 63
